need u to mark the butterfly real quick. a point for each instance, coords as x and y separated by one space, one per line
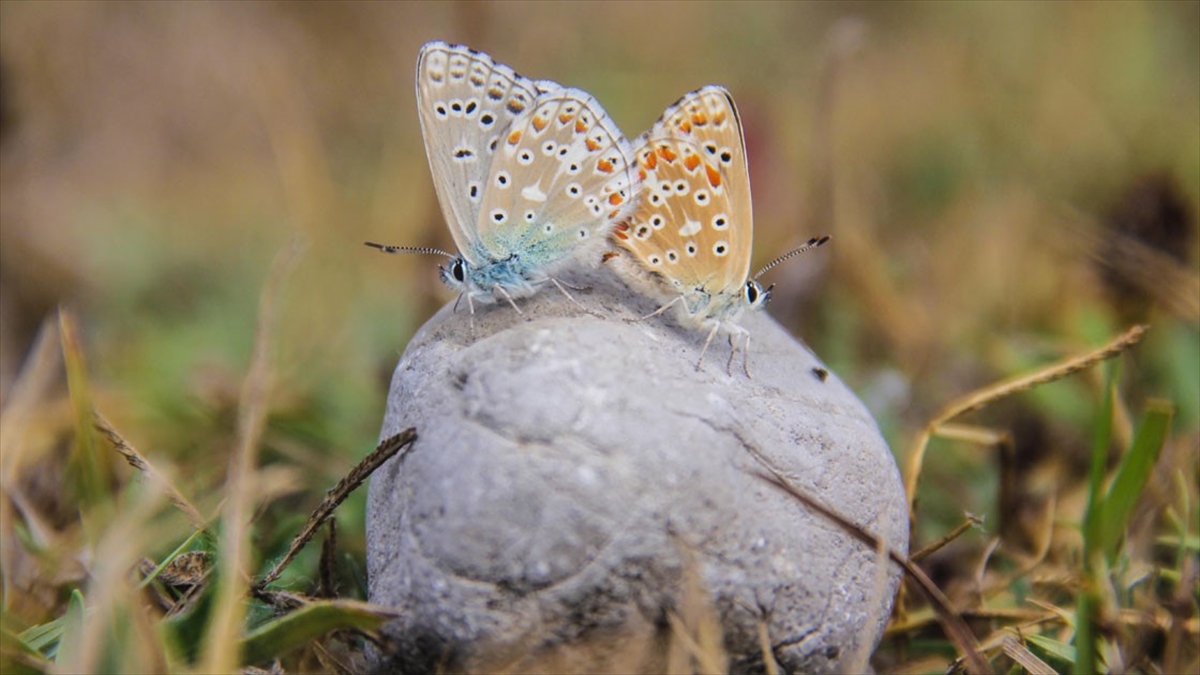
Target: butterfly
527 172
692 227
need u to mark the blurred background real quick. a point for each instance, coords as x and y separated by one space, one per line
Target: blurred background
1005 184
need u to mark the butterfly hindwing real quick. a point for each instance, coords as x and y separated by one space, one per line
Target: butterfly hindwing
560 176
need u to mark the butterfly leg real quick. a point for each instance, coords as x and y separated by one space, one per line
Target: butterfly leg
563 287
504 294
571 286
471 307
658 311
711 334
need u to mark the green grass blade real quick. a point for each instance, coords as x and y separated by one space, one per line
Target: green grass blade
1131 476
1055 649
280 636
42 636
1088 604
18 657
67 649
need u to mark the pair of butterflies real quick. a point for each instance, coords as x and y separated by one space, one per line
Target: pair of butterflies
531 174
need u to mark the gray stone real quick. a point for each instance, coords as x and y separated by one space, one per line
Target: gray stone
573 471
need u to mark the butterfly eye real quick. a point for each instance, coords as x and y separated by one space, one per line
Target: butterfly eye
751 292
458 270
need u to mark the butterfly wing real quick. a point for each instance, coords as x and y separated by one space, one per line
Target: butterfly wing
562 175
693 226
466 103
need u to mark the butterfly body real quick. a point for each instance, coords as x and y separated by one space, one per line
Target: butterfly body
528 173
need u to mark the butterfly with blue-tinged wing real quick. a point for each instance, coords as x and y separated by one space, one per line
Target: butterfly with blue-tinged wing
530 175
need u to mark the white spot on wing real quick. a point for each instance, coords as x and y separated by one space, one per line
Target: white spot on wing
690 228
533 193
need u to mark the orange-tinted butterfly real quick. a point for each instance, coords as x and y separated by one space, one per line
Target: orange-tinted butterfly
692 228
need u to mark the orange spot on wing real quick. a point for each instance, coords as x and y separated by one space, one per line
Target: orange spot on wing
604 165
615 198
667 154
685 126
514 137
641 174
592 145
613 214
539 123
699 119
563 118
622 231
609 255
719 118
714 176
651 161
692 162
580 127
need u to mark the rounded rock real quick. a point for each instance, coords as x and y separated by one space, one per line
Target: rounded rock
578 490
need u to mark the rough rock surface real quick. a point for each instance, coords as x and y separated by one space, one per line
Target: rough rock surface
572 471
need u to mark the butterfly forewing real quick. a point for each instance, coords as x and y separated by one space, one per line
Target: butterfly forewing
693 224
467 103
561 173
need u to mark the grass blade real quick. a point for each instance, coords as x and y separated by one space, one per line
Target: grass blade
1087 608
280 636
1131 476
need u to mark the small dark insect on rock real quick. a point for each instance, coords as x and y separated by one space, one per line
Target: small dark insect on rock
820 373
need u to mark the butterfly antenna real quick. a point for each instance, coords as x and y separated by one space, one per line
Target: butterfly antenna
808 246
419 250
